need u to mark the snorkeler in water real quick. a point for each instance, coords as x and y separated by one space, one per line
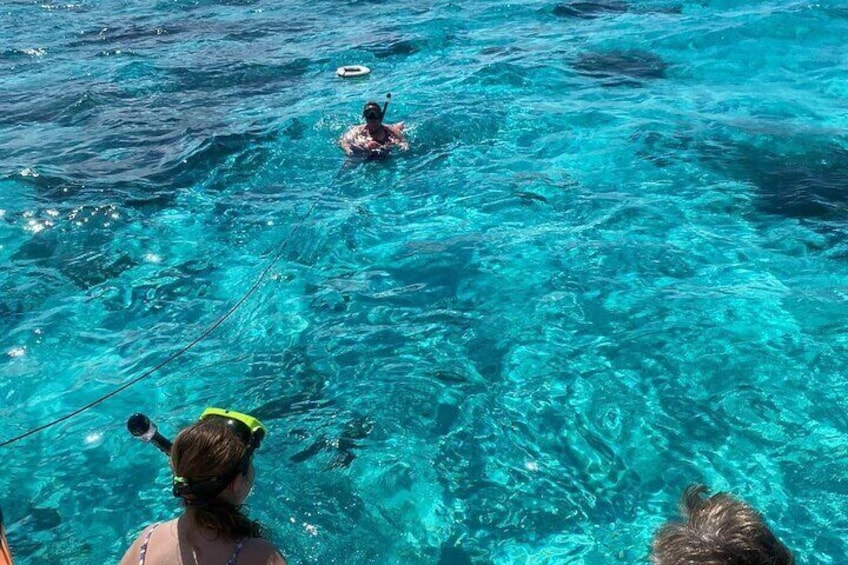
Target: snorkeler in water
375 139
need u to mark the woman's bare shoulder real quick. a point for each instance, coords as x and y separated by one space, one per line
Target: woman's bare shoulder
131 555
260 552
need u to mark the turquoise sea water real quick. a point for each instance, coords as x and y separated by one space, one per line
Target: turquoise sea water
612 263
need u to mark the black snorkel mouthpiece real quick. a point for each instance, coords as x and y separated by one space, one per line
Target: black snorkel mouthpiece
141 427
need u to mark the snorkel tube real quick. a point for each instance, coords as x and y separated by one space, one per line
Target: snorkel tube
386 105
246 427
141 427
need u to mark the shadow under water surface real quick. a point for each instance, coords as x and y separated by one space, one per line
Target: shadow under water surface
804 179
621 67
594 10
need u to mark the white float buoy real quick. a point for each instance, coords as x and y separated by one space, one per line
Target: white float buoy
352 71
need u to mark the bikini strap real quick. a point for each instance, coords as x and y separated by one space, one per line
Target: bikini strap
142 551
239 545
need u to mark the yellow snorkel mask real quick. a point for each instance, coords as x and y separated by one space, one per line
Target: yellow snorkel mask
248 428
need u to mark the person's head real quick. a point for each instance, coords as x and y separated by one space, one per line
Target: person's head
213 472
372 113
717 530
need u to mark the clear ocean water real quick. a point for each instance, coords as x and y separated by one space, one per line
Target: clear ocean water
613 263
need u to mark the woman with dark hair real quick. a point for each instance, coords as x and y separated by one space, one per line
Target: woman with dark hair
375 139
213 474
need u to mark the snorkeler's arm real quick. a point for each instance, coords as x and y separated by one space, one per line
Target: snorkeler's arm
396 131
347 141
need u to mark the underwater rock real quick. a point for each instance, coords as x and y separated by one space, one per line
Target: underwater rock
92 269
341 447
289 406
42 519
390 48
436 134
804 189
120 34
207 152
314 449
594 10
799 178
307 383
296 129
451 555
621 67
358 428
157 200
54 188
341 459
248 77
528 197
38 248
65 254
446 417
589 10
451 377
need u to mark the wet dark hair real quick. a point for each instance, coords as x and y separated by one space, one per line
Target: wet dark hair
203 451
718 530
372 106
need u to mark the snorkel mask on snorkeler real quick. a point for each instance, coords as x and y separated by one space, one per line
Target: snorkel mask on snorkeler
372 110
248 429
